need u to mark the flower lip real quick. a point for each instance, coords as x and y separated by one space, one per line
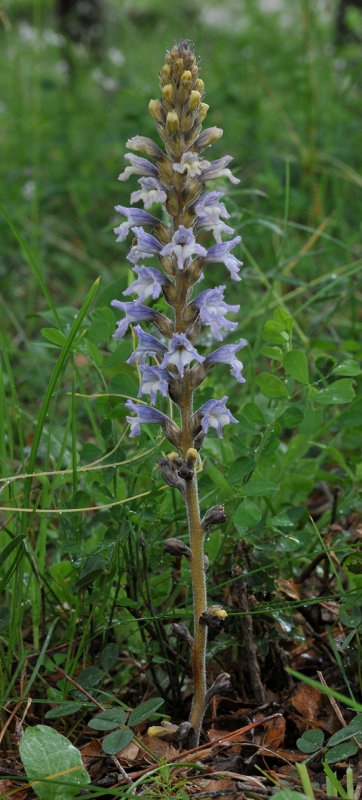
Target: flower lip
180 353
147 245
214 414
148 283
213 309
148 345
183 246
134 312
138 166
226 355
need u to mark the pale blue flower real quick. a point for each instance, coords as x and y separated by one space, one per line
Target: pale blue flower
208 211
220 253
134 312
138 166
226 355
145 145
213 309
148 345
147 246
183 246
217 169
151 192
149 283
180 353
154 379
144 414
214 414
135 216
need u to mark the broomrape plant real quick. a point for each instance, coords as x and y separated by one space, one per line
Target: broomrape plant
177 177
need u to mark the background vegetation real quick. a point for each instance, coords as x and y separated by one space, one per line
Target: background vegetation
90 588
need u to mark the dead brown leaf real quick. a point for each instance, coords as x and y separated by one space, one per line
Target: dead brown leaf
274 733
307 701
9 786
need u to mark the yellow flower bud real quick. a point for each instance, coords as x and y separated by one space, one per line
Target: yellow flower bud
199 85
167 92
156 110
195 99
217 611
165 72
203 111
186 75
172 122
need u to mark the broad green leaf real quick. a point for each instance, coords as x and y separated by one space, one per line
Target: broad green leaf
313 420
259 487
109 719
53 335
46 753
311 741
90 677
274 353
64 710
354 728
341 752
271 386
246 515
291 417
283 317
117 741
109 656
348 368
241 467
295 363
143 711
337 393
274 333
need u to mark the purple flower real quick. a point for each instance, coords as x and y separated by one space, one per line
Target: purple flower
135 216
139 166
208 211
154 379
145 414
149 282
189 163
217 169
226 355
221 253
152 192
180 353
183 246
214 414
134 312
147 346
147 245
206 138
213 309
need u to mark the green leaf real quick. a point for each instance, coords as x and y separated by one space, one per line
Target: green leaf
45 753
117 741
259 487
64 710
281 315
311 741
349 367
143 711
246 515
109 719
291 417
354 728
295 363
53 335
274 333
338 392
341 752
90 677
109 656
274 353
271 386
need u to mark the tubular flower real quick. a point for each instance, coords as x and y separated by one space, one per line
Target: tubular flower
175 175
213 309
149 283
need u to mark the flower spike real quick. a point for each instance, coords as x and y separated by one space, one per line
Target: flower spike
185 241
